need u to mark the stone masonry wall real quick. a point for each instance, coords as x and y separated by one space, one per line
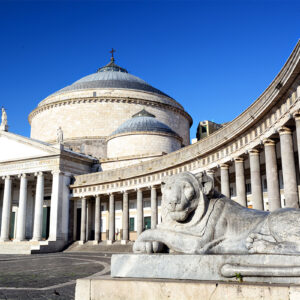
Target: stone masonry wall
98 119
141 144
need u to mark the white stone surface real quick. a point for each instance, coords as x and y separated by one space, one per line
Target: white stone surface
207 267
107 289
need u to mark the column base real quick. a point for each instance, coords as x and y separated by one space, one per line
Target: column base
19 240
109 242
124 242
81 242
35 240
95 242
4 240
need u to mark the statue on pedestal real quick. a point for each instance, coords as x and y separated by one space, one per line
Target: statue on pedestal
196 219
59 136
4 120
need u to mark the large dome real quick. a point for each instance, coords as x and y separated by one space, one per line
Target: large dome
95 106
111 76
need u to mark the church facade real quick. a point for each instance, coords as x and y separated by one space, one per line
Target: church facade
100 148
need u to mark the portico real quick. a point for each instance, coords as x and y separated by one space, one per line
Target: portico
34 184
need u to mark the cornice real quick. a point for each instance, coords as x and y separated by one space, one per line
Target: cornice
270 111
128 100
144 133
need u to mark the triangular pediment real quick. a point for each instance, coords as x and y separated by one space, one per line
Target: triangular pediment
16 147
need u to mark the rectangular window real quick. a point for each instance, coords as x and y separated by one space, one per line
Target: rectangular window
131 224
248 188
147 222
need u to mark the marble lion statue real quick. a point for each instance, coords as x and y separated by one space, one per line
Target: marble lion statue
198 220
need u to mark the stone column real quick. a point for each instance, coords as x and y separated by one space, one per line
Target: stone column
38 208
256 187
83 221
225 185
297 121
59 212
153 207
139 208
75 220
211 174
272 175
240 182
21 222
89 219
97 219
6 209
111 219
288 168
125 218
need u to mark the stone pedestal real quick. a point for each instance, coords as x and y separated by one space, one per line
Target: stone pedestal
252 268
106 288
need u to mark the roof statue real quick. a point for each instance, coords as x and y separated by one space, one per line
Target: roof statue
59 136
4 120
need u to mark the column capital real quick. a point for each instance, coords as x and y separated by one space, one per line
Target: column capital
296 115
253 151
57 172
38 174
210 171
269 142
239 159
124 191
224 166
284 130
6 177
23 175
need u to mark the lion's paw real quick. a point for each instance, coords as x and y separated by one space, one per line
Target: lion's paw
147 247
258 243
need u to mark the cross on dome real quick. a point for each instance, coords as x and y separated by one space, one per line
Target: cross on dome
112 54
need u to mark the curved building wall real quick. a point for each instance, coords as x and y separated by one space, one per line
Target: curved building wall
99 117
265 119
141 144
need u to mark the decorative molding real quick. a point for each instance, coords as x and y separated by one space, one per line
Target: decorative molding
85 100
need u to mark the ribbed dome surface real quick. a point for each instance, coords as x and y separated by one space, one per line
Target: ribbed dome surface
143 121
111 76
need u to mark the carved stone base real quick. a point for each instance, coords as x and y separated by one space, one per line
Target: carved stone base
105 288
251 268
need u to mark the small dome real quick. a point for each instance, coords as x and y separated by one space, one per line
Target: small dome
143 121
111 76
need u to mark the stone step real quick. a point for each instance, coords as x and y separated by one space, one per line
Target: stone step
90 246
15 248
31 247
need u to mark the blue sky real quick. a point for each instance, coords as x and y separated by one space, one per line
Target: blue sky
214 57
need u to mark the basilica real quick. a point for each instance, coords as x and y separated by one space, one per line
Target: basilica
99 149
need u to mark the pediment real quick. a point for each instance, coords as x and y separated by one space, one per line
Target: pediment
16 147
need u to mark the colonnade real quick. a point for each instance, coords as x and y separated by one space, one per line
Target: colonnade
57 200
285 136
125 214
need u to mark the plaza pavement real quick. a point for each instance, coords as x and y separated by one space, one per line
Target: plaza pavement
48 276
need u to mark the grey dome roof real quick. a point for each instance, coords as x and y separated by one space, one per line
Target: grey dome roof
111 76
143 121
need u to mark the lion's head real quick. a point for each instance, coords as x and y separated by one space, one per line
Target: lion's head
183 193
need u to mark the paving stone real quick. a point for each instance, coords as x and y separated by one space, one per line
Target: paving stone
40 274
